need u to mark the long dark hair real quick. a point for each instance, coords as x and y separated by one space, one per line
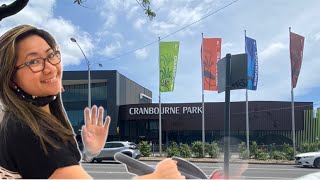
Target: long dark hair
41 123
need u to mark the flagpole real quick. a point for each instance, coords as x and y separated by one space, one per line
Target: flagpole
292 105
203 131
247 103
160 123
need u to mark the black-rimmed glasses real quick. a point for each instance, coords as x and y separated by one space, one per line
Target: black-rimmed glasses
38 64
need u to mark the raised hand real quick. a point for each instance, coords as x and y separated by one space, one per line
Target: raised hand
95 132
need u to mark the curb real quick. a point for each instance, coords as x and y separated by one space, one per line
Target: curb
235 161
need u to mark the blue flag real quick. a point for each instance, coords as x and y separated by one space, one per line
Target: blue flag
252 55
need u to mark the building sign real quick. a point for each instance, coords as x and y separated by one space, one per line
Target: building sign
188 116
165 110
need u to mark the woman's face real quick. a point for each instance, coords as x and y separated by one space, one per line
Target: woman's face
44 83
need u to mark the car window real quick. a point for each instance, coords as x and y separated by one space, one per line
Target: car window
118 145
113 145
108 145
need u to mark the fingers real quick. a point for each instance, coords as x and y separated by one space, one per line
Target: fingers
107 123
94 115
100 116
84 133
87 116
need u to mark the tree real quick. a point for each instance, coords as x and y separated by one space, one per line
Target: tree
12 9
145 4
18 5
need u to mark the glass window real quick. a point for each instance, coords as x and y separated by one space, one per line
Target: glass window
116 145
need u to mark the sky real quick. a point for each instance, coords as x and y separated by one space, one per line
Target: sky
117 34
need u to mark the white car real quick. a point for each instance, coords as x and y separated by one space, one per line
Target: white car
308 159
112 147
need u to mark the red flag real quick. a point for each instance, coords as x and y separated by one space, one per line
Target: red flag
296 54
211 53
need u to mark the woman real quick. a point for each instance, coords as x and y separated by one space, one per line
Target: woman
36 138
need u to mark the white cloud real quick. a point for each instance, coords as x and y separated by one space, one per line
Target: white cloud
111 49
317 36
40 14
141 53
133 11
111 11
139 23
71 52
271 50
185 15
161 27
180 14
158 4
227 45
110 20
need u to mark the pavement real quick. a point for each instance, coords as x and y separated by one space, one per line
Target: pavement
233 159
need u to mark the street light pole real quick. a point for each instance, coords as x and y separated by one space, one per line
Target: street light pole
89 74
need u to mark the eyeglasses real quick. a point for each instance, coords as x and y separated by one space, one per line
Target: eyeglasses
38 64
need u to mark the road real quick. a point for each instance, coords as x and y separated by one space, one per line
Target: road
112 170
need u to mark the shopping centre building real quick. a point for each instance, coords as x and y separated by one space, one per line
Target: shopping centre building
136 118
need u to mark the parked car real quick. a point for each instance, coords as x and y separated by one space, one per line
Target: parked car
310 159
112 147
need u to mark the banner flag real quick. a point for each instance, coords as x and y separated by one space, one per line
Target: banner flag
168 65
252 55
296 54
211 53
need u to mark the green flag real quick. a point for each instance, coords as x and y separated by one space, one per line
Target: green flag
168 65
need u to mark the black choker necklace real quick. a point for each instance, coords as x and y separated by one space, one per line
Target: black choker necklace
37 101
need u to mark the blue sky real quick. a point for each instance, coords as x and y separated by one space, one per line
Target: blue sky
111 28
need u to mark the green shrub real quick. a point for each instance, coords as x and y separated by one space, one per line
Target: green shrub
145 148
173 150
313 147
272 150
185 151
310 147
196 148
278 155
212 149
288 151
305 147
253 149
262 154
243 153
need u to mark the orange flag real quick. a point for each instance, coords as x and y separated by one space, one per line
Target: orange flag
296 54
211 53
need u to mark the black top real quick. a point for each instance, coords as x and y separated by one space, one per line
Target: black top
22 156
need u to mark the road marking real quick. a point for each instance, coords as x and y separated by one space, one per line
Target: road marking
104 172
256 177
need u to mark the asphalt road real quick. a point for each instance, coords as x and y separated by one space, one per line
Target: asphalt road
113 170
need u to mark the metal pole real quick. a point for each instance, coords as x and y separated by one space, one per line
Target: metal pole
293 123
203 126
89 85
227 117
247 106
89 78
160 123
247 123
292 109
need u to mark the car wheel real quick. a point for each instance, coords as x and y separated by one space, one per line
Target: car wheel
316 163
